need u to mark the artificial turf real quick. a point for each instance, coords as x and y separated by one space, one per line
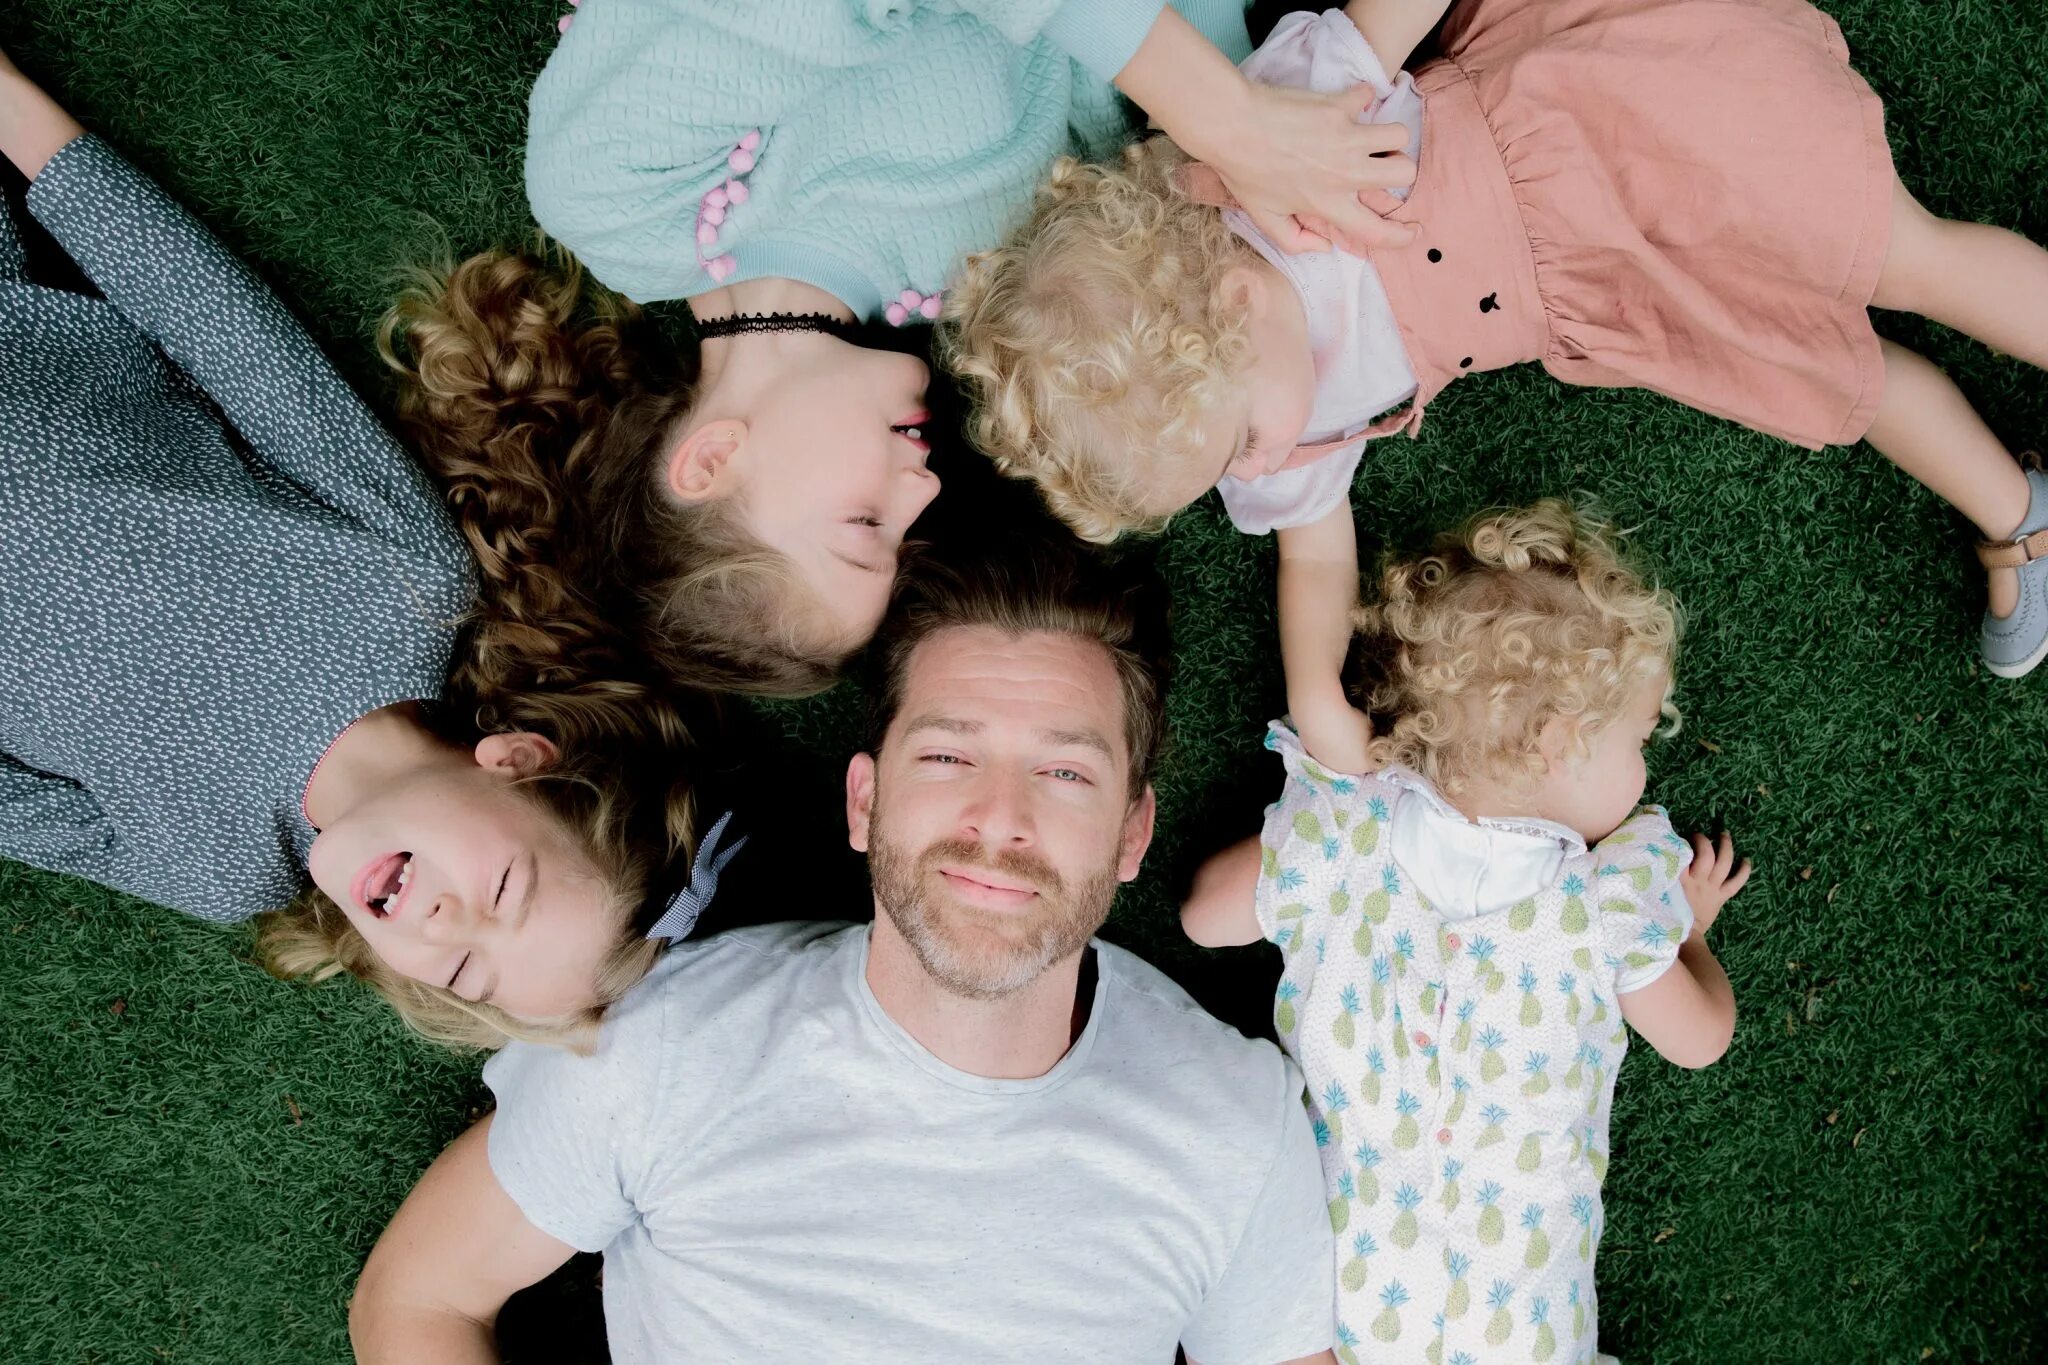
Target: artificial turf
194 1159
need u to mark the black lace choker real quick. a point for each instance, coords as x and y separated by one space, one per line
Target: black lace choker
739 323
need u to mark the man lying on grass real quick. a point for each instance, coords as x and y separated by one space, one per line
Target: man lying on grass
968 1132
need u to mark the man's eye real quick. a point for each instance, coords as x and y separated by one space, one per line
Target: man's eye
1068 775
940 758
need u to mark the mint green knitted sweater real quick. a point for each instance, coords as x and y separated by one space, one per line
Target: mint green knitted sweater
894 136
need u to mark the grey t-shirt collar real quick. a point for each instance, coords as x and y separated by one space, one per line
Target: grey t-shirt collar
897 1037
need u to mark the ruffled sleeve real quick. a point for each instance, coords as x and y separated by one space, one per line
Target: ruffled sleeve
1643 911
1323 822
1323 52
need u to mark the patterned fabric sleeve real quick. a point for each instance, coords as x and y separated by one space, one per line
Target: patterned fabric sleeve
1322 822
220 325
13 260
1643 911
51 822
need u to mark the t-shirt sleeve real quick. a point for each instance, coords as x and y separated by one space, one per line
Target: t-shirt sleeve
1644 915
1276 1299
1322 821
566 1140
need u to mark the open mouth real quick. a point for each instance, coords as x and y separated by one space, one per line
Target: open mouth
381 886
912 429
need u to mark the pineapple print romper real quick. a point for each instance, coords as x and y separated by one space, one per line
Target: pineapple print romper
1459 1071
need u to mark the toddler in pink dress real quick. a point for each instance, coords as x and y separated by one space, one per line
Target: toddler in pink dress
1692 198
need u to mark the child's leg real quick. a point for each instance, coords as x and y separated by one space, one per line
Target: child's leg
1926 427
1983 281
1989 284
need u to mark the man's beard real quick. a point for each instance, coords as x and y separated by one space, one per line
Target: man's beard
975 953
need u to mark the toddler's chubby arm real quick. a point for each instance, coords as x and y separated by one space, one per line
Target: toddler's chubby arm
1395 28
1318 588
1688 1013
1220 910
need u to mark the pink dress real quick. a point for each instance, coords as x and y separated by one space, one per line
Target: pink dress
1687 196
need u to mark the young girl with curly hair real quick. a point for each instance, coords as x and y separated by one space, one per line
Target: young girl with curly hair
1691 198
231 610
801 174
1472 905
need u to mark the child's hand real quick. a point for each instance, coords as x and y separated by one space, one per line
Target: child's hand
1712 880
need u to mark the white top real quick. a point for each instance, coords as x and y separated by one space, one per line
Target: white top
776 1171
1470 867
1460 1059
1362 367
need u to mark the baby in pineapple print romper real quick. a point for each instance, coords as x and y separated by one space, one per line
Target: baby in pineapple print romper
1468 922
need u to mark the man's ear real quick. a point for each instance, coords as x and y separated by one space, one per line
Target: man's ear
1137 835
860 800
516 753
701 467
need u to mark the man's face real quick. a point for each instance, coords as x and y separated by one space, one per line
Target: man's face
998 817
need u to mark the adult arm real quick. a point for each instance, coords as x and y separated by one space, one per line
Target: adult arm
1221 909
457 1249
1296 161
1395 28
209 314
1318 590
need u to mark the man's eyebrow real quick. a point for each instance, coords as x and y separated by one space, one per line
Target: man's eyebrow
1087 739
952 725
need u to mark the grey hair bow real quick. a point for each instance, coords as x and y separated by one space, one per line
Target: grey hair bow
691 899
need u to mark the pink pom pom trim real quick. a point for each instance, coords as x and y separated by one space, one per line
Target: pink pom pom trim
719 201
909 305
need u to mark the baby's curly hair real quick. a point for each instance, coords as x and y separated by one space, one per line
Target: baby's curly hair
1094 342
1515 618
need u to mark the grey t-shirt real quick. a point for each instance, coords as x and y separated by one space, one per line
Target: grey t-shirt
776 1171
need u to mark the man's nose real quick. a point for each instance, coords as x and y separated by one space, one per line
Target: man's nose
1000 815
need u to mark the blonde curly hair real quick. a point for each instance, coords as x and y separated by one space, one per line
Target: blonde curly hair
1516 618
1095 343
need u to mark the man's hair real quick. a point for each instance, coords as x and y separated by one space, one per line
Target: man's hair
1020 587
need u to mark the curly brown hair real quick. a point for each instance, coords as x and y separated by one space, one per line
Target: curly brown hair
1514 619
546 407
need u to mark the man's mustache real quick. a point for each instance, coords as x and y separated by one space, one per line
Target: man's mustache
1011 863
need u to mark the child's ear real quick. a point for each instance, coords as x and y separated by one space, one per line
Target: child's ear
701 467
1555 740
517 752
1241 290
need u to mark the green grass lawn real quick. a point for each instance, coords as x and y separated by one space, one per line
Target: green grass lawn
194 1159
